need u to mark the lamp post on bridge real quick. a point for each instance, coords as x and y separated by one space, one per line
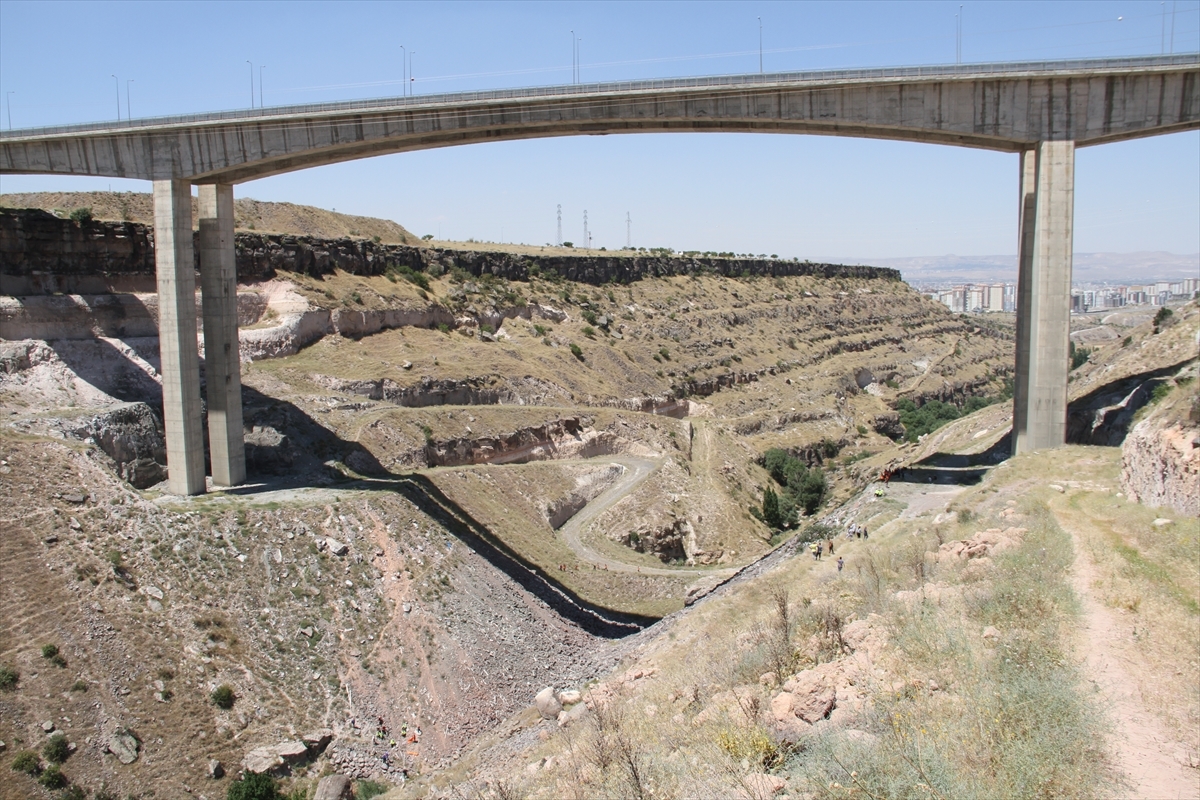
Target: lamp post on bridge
8 104
412 81
760 67
403 72
260 92
117 83
248 61
128 113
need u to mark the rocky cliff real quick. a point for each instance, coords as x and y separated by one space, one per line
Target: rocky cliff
41 253
1160 458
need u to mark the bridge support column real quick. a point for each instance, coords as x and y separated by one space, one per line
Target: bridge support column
1044 255
175 266
222 368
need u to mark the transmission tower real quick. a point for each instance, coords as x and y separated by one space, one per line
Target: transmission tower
628 232
560 224
587 237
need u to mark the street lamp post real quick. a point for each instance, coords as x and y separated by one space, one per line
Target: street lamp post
403 72
128 113
412 81
8 104
117 83
260 92
251 82
760 66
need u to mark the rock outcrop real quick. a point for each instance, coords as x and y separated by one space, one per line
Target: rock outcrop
1160 464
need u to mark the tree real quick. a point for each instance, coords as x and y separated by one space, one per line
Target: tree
812 490
254 787
770 509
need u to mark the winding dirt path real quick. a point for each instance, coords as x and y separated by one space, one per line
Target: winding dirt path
637 470
1144 752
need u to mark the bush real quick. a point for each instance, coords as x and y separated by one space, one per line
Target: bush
1162 316
26 761
409 274
49 650
1079 356
770 509
575 351
255 787
9 678
589 331
82 215
55 750
920 420
589 316
223 696
52 777
365 790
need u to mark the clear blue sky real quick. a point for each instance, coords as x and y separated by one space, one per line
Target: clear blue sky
804 196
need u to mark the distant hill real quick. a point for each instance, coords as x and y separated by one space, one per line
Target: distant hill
250 214
1142 267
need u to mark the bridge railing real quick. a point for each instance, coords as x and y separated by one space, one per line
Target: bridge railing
985 70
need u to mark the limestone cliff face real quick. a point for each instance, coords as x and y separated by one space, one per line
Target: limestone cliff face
1160 461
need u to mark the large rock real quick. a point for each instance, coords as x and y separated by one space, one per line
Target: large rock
812 697
333 787
132 436
1160 464
262 760
317 741
335 547
124 746
292 752
547 704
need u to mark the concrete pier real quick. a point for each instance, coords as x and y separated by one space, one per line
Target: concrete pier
1046 237
222 368
175 267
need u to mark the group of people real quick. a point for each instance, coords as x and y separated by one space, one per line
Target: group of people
817 549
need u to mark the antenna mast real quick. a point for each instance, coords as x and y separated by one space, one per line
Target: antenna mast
560 224
587 237
628 232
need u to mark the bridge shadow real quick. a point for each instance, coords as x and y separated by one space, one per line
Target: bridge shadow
960 469
595 619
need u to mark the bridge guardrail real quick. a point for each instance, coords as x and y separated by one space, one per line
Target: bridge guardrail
609 87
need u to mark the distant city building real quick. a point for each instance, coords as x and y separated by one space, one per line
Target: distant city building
993 297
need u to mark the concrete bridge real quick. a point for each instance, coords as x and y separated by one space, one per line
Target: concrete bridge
1042 111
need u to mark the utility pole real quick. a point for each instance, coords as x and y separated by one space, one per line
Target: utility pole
128 113
260 69
1163 46
587 237
573 56
760 68
8 103
412 85
958 47
403 72
117 83
251 83
628 232
1174 3
559 219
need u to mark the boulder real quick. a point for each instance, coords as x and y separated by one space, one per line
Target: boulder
317 741
132 436
262 760
293 752
547 704
335 547
569 697
124 746
216 770
333 787
812 696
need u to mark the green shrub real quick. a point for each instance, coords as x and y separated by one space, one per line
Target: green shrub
920 420
26 761
770 509
365 790
666 354
1079 356
49 650
254 787
1160 391
55 749
486 328
540 330
1162 316
443 327
52 777
9 678
589 316
576 351
82 215
409 274
223 696
589 331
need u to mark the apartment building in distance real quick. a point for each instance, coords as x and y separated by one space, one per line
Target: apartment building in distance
982 298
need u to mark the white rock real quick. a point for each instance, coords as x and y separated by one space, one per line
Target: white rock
336 547
1158 523
547 704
